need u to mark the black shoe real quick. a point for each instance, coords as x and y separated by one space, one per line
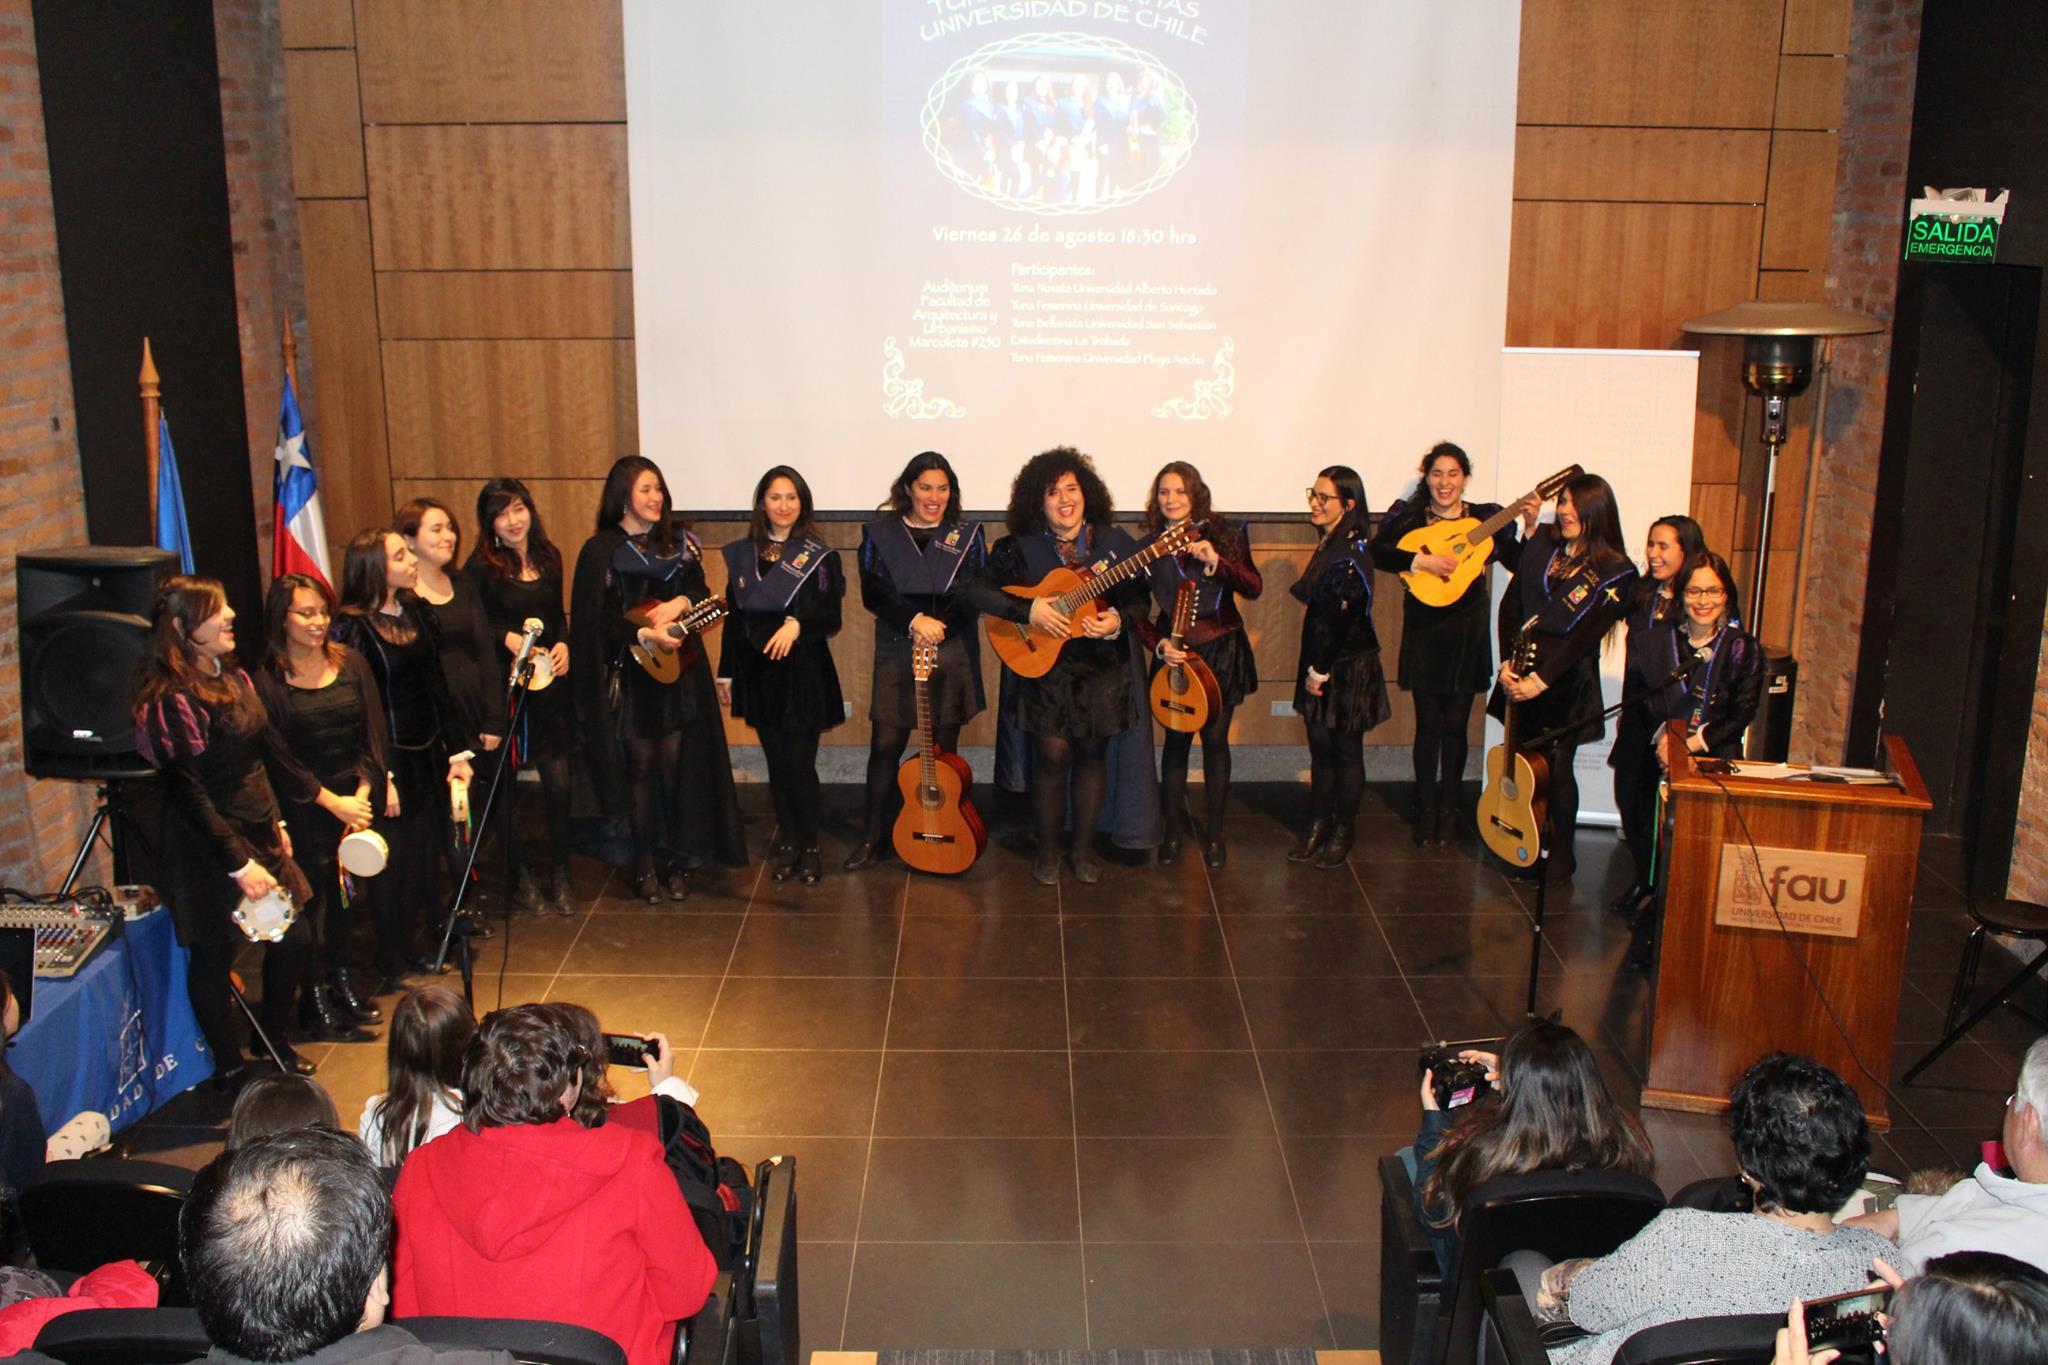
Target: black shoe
361 1009
1169 853
647 888
678 886
782 862
293 1062
1045 869
1424 827
812 866
527 895
1335 851
324 1019
1446 828
1214 853
863 855
1311 842
230 1078
473 923
1630 900
1086 870
563 900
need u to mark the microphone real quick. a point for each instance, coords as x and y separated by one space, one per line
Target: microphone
1686 669
534 626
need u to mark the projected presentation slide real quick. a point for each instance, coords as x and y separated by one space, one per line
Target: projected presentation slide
1261 238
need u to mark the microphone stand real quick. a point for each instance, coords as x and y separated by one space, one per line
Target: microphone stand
522 682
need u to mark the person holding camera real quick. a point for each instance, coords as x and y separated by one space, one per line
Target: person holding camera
1538 1105
1968 1306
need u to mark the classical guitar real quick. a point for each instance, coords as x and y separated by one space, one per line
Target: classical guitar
939 829
1185 696
1515 802
1467 540
1030 653
666 665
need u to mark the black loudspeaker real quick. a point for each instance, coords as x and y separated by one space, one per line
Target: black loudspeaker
83 614
1770 734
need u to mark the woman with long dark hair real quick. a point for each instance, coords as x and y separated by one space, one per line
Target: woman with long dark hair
199 722
1721 696
422 1097
467 658
518 574
915 563
775 668
675 784
1447 656
1672 543
323 702
1340 691
1060 517
1219 564
1549 1110
1572 587
427 747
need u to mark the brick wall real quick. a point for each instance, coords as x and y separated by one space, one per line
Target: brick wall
1862 273
40 500
2029 877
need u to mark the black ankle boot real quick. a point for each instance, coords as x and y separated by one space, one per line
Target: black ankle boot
782 862
865 854
1425 826
361 1008
1336 848
323 1018
1311 842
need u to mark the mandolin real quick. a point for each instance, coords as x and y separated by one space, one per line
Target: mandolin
1469 541
938 830
1515 803
1185 696
1030 653
666 665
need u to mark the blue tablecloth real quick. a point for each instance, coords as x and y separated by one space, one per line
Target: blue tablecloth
118 1037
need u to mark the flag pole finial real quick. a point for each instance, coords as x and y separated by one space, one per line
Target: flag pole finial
152 391
289 345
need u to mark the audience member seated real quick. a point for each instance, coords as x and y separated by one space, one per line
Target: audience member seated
598 1101
1966 1308
1987 1211
430 1030
1549 1111
285 1245
21 1122
1803 1147
522 1212
277 1102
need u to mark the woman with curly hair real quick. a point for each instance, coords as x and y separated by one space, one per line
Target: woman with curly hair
1219 564
1060 517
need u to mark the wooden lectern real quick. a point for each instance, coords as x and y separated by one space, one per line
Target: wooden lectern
1839 860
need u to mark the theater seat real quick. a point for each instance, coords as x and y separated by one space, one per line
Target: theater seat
79 1215
529 1340
1738 1339
124 1336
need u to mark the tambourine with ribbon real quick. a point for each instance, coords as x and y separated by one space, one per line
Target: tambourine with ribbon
268 918
363 853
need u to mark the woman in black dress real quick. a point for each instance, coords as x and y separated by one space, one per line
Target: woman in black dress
1572 587
1447 656
518 575
468 658
1721 696
1059 517
1340 691
200 723
1673 542
775 665
323 704
1220 565
675 781
427 747
915 564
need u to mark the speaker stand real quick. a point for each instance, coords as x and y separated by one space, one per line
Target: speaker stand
107 815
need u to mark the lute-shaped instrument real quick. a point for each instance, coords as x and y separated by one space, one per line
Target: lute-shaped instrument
1467 540
1185 696
666 665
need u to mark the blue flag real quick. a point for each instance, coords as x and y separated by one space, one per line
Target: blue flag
171 531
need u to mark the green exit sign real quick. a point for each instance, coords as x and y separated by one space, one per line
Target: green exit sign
1955 226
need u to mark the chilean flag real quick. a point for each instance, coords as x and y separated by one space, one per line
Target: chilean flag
299 533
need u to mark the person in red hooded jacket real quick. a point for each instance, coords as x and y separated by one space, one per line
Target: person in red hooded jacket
523 1213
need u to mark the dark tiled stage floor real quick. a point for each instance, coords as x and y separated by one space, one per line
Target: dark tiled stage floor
1140 1114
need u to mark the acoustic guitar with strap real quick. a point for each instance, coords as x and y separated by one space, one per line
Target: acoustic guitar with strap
1516 801
1469 541
938 830
1030 653
1185 696
666 665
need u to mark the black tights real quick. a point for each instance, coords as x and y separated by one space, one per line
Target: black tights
1442 720
1336 769
655 769
554 800
1564 804
206 982
1173 774
792 754
1056 761
885 759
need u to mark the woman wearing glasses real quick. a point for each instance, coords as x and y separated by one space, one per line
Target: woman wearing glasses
1719 699
1340 691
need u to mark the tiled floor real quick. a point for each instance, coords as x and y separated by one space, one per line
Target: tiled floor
1140 1114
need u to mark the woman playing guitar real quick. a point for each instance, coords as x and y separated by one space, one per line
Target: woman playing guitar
670 735
915 564
1340 691
775 666
1576 580
1059 516
1220 566
1447 656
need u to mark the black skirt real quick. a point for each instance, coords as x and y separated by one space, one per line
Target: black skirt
1087 696
1573 700
649 709
1229 657
1354 700
956 690
1447 649
547 723
800 689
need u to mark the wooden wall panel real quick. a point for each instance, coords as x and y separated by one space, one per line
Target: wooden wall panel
1675 63
1600 274
316 23
345 412
1713 507
1810 92
1718 424
326 124
510 304
1691 165
540 409
1817 26
500 197
492 61
1789 286
1802 201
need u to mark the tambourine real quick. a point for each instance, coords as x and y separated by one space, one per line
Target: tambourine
268 919
540 670
458 801
364 853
